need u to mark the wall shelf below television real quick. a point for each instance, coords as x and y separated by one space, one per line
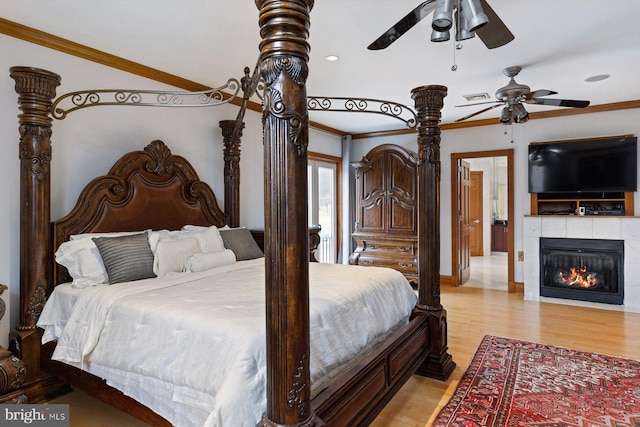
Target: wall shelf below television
594 204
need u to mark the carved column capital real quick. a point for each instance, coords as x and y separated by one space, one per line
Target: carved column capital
429 101
36 89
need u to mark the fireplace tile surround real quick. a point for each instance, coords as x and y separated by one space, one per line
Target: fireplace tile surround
583 227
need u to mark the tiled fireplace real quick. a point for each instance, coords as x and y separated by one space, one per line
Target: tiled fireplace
573 233
582 269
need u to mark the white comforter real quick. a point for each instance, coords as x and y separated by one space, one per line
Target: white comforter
192 347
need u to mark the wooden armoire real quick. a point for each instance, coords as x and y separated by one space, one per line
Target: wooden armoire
385 229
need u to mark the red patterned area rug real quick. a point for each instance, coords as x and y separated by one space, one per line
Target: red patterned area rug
518 383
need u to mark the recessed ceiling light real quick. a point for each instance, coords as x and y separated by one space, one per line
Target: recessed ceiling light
332 58
597 78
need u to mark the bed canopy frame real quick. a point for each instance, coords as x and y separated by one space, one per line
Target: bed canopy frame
283 66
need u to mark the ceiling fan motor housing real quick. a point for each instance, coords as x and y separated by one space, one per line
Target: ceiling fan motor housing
513 90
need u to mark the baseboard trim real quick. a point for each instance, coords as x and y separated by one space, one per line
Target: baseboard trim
448 281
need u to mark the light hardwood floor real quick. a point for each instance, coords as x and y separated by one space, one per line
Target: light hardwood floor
471 313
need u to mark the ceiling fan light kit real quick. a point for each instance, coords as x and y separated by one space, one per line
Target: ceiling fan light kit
505 116
472 16
443 16
519 114
469 17
439 36
462 29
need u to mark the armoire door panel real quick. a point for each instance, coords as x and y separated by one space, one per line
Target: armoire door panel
371 193
401 176
401 216
372 218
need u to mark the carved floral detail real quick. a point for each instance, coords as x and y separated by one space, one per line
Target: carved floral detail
297 122
35 147
296 398
295 68
12 372
160 153
36 304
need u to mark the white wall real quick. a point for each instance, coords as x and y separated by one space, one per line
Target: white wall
89 141
494 138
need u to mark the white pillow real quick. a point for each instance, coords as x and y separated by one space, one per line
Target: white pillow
83 261
155 236
201 262
171 255
209 237
190 227
81 258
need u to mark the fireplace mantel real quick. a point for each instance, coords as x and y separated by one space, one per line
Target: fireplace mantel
583 227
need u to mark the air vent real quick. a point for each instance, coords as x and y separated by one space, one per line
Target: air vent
477 96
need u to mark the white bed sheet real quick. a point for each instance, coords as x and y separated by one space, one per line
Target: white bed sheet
57 311
192 347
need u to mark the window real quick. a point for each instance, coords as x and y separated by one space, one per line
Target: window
323 172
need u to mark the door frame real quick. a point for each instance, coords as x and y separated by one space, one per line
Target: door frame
455 194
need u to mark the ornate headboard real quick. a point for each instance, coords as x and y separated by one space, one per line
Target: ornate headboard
149 189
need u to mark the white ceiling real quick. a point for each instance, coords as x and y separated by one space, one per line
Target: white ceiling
558 43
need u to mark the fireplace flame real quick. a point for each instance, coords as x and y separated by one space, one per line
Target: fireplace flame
580 277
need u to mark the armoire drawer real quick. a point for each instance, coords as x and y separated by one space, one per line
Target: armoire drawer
390 246
402 265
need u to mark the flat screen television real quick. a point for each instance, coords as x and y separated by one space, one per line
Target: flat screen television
584 166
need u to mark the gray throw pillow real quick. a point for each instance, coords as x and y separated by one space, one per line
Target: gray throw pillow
126 258
241 242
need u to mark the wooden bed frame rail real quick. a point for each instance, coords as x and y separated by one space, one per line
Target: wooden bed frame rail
419 347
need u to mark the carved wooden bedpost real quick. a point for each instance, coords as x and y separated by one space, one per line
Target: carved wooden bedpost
36 89
231 170
429 101
284 55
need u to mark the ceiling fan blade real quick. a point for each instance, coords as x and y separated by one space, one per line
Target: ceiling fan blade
478 112
495 33
539 92
403 25
479 103
559 102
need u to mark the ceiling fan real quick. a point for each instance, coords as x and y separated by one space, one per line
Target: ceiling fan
514 94
470 17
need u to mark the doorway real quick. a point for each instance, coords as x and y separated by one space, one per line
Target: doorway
462 261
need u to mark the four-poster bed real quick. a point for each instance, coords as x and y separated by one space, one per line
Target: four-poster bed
363 389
